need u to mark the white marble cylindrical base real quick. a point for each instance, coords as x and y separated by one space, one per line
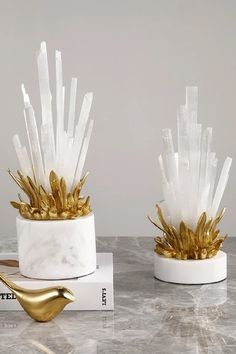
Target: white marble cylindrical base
56 249
202 271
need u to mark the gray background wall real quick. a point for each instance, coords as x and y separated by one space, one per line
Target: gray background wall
137 57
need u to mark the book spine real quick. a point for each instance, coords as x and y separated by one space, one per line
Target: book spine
96 296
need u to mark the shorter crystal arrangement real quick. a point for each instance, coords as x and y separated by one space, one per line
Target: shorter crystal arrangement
51 175
188 214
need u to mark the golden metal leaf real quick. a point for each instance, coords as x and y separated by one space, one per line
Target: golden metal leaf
56 204
185 243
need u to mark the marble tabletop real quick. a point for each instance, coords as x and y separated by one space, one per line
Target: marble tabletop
150 316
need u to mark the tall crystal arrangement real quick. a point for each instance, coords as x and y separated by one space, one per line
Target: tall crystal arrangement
54 148
192 197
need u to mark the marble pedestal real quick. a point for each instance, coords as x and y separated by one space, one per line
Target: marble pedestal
56 249
202 271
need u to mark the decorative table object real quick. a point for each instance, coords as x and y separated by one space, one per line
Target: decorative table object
40 304
189 250
55 228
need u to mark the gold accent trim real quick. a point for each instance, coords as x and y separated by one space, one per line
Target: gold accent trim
185 243
9 262
40 304
57 204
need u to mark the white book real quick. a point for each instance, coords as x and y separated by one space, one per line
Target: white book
92 292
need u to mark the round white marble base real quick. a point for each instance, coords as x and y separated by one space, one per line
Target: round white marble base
56 249
203 271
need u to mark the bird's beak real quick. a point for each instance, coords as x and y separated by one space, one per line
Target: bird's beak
67 294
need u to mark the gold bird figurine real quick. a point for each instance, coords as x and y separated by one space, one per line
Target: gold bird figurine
41 304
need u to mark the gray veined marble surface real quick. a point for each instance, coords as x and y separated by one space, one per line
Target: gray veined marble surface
150 316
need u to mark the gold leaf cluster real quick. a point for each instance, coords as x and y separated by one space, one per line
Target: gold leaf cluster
185 243
58 204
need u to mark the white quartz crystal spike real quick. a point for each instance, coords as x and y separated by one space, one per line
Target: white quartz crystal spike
71 119
224 176
22 156
59 104
84 150
34 144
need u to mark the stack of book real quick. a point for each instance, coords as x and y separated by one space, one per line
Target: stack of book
92 292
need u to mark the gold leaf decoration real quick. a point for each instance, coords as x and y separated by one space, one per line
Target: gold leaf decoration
185 243
58 204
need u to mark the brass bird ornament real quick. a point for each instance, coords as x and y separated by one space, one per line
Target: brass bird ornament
40 304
